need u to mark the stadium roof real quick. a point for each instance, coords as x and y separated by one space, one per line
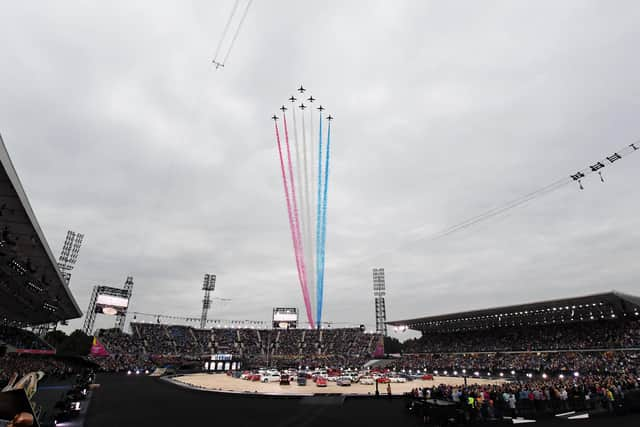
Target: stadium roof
32 289
609 305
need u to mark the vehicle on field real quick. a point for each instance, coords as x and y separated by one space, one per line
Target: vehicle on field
302 380
343 381
255 377
383 380
427 377
271 378
367 380
321 382
284 380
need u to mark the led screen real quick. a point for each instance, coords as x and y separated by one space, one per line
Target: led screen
112 301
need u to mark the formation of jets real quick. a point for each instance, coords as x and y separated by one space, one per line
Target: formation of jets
218 64
293 99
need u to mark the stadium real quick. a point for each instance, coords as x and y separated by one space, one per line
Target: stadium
572 358
379 246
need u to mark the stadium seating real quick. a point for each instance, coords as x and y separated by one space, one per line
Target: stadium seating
22 339
595 335
258 347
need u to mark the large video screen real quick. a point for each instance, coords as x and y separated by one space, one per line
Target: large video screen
111 305
285 317
112 301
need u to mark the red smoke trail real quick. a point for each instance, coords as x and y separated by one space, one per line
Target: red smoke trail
293 229
296 217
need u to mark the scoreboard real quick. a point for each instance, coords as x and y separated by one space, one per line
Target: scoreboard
285 317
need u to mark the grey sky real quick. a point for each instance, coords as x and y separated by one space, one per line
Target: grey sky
121 129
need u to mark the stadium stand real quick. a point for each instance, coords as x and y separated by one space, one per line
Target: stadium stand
23 341
257 347
32 289
594 334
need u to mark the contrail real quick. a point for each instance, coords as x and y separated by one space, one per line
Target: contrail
292 227
224 32
304 236
319 272
313 201
235 36
296 217
309 246
324 215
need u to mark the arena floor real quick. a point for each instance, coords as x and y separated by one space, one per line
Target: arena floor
225 383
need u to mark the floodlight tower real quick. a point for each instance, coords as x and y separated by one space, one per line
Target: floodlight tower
69 254
208 286
122 316
66 262
90 315
378 293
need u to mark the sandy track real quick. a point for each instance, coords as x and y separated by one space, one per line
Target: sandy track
225 383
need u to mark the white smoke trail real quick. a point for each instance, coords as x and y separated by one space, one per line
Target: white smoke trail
310 248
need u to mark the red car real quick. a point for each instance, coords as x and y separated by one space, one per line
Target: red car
321 382
428 377
383 380
255 377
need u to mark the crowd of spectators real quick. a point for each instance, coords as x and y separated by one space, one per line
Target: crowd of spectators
21 339
251 342
22 364
224 340
257 347
483 402
608 362
594 335
184 339
288 342
154 338
119 342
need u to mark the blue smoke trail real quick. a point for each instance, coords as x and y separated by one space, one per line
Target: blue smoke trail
324 223
319 273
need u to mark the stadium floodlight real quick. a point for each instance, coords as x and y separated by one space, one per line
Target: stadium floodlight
544 376
464 371
446 373
502 374
576 374
208 286
561 376
476 373
513 372
455 372
69 253
379 292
